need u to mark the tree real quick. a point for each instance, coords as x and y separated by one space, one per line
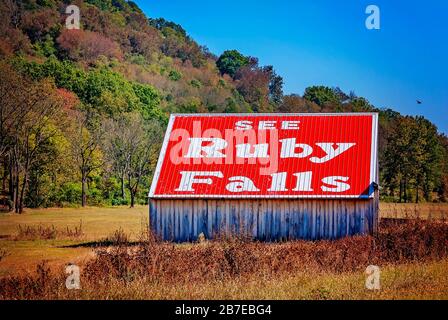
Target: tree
37 23
231 61
428 157
442 187
296 104
132 147
86 137
118 142
28 117
341 96
322 96
413 158
80 45
145 43
254 84
360 104
142 156
275 87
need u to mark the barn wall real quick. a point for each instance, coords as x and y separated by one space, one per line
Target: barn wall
265 220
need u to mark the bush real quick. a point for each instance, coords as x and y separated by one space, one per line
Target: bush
175 75
70 192
196 83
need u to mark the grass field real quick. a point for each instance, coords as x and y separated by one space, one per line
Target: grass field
426 279
97 224
414 211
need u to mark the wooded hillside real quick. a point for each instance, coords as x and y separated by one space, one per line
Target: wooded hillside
83 112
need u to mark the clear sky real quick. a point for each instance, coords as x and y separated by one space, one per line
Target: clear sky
320 42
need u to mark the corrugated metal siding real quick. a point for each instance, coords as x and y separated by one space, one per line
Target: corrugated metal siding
265 220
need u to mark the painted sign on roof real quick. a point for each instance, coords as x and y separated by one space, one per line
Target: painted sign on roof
268 156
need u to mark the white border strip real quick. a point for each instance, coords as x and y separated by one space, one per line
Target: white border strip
374 155
242 197
373 158
315 114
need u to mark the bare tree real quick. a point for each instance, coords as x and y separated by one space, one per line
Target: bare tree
86 137
133 146
118 135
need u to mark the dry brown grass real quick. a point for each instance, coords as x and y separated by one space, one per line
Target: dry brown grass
151 269
424 211
42 232
3 253
97 224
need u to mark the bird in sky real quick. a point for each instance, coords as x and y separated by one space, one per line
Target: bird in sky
419 102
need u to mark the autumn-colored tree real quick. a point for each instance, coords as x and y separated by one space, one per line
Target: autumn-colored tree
145 43
28 116
296 104
39 22
253 83
87 46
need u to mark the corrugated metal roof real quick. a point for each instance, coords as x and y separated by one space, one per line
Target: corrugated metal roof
268 156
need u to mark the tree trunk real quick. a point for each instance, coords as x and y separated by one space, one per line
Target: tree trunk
22 191
83 189
405 187
132 199
416 194
5 176
16 192
123 194
11 186
426 191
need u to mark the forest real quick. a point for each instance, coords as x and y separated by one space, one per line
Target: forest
83 112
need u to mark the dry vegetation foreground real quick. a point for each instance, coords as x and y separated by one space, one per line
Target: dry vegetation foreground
130 264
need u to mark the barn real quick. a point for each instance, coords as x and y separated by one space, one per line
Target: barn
273 177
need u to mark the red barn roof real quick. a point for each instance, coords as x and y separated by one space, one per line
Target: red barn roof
268 156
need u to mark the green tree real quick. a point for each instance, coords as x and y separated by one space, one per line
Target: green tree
275 86
231 61
428 157
413 158
322 96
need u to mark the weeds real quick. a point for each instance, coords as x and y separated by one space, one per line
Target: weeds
118 238
240 260
3 254
41 232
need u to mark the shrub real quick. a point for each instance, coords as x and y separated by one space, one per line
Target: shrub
69 192
41 232
175 75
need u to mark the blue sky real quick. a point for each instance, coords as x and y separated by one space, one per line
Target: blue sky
326 43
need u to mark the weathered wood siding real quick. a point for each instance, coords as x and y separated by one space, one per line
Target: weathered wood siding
265 220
